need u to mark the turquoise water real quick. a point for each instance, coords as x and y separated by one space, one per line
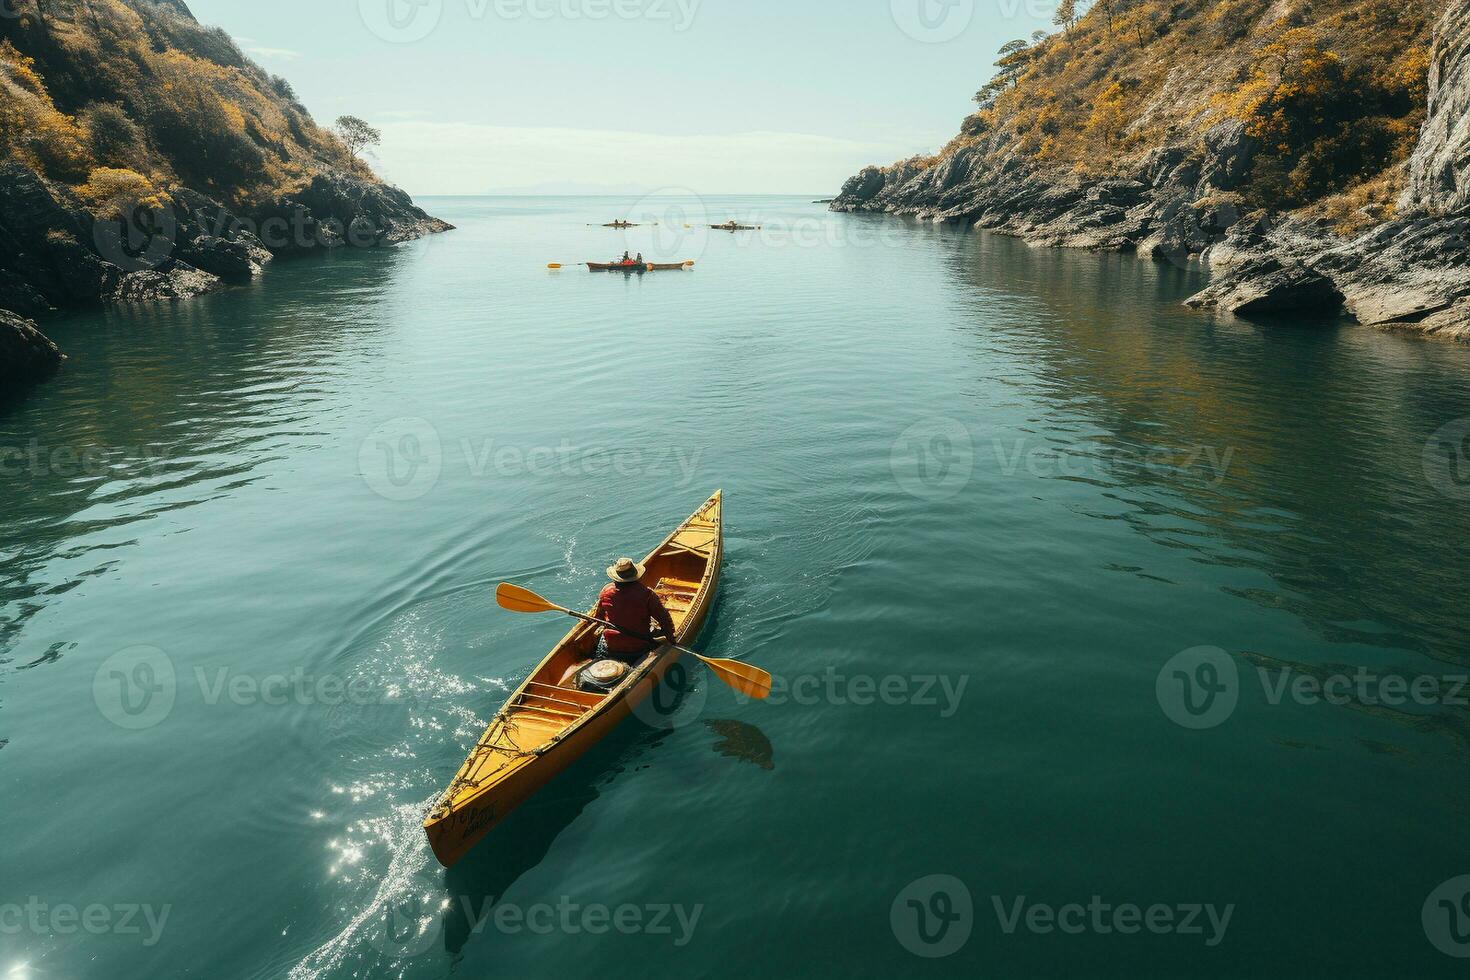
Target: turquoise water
1029 548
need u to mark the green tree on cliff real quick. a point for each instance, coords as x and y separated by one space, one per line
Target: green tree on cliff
357 134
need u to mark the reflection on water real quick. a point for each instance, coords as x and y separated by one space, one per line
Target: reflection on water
743 741
166 407
1293 449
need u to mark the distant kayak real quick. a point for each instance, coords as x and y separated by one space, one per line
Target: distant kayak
736 227
548 722
637 266
621 224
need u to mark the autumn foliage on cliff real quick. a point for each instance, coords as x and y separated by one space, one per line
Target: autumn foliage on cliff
122 100
1333 90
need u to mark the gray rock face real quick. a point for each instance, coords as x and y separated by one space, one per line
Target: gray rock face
26 355
1267 285
337 210
234 262
178 281
54 254
1229 153
44 262
1439 172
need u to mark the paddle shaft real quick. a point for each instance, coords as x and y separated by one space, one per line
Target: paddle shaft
636 636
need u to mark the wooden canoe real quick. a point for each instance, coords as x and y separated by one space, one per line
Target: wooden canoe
545 725
635 267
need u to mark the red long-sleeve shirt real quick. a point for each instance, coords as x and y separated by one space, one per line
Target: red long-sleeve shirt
630 607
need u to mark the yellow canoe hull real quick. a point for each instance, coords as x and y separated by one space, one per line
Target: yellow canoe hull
546 725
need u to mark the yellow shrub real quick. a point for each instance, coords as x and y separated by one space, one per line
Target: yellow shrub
31 128
115 193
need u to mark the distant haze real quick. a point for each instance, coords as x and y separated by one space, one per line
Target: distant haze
616 96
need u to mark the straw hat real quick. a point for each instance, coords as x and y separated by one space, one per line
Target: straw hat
626 570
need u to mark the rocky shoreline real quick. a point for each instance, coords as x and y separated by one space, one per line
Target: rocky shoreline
55 255
1178 204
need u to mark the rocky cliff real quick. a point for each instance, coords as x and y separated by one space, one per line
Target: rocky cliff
1440 168
1352 195
144 157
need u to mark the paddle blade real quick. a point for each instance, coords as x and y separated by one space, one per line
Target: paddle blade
750 681
688 261
520 600
553 265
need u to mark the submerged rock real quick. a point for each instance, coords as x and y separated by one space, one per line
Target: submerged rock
26 355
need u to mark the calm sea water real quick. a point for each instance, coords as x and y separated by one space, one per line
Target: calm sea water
1051 572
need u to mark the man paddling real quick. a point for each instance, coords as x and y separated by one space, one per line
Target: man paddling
629 605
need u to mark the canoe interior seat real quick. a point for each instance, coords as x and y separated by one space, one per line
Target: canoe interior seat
697 539
553 702
677 595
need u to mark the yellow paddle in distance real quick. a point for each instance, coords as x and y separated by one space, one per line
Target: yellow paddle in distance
750 681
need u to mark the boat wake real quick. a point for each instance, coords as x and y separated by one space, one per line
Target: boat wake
401 919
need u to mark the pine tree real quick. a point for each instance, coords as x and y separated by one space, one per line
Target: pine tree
1066 14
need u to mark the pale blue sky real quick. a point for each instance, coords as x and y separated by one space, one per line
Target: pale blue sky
717 96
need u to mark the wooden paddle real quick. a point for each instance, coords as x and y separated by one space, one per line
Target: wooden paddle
750 681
